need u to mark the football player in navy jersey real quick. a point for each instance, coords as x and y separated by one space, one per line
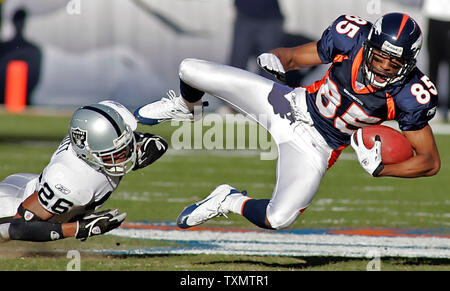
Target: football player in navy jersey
372 78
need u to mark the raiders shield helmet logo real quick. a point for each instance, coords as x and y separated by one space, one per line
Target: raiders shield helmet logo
79 137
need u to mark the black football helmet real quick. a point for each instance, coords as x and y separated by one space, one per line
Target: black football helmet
395 36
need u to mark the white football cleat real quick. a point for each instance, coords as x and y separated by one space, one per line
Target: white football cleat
168 108
208 208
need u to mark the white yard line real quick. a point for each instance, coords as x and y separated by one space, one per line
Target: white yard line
286 244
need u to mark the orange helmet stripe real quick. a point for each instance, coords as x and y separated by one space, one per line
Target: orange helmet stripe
402 25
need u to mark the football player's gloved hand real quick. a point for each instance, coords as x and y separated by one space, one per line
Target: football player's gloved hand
99 223
370 159
149 148
272 64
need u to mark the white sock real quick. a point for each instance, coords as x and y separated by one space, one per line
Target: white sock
235 202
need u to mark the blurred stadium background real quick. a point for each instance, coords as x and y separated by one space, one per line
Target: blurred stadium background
129 51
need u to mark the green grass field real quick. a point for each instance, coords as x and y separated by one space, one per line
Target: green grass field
347 197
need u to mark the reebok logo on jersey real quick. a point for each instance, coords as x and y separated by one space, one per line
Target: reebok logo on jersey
432 111
62 189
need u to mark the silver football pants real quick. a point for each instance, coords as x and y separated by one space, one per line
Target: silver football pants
303 154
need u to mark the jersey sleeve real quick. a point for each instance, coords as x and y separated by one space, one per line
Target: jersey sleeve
417 104
342 37
58 193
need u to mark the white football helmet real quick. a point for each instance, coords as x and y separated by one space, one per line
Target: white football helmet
100 136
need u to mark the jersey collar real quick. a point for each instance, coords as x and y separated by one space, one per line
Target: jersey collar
357 62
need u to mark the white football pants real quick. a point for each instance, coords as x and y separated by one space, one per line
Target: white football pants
14 190
303 154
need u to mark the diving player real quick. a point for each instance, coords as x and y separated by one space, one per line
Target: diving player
101 147
372 78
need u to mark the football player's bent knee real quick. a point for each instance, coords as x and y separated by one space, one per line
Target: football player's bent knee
185 68
281 219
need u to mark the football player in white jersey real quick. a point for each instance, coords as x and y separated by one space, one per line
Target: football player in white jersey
101 147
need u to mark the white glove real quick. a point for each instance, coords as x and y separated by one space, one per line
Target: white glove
272 64
370 159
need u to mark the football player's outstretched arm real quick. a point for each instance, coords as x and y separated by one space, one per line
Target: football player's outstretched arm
299 57
281 60
31 223
426 162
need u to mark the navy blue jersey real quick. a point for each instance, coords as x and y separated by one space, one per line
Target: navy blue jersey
341 103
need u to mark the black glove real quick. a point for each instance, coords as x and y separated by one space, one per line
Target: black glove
99 223
149 148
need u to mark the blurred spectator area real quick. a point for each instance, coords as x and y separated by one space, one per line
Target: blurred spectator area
129 51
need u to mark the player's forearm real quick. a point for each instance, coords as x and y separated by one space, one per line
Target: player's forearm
37 231
41 231
299 57
417 166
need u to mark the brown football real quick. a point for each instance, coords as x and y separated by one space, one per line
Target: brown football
395 147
